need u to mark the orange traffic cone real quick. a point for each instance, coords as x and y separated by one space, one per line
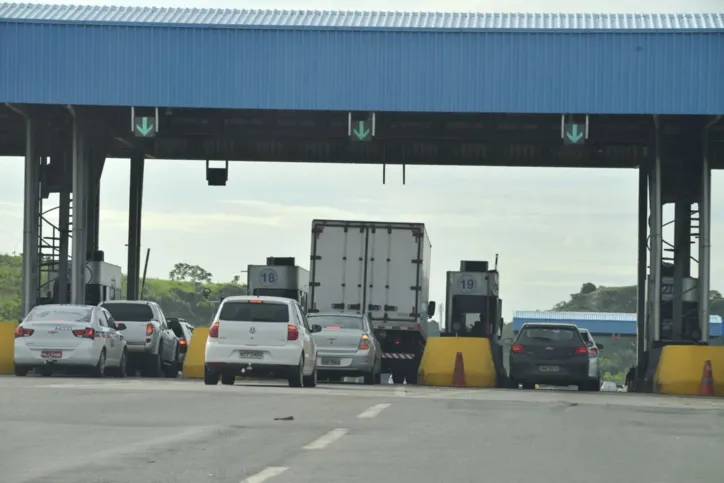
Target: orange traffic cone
459 371
706 388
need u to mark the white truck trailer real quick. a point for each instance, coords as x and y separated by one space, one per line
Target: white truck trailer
381 270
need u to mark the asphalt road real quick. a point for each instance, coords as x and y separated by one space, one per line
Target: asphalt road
64 430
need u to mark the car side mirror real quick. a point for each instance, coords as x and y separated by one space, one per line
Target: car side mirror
120 326
431 305
316 328
600 346
507 341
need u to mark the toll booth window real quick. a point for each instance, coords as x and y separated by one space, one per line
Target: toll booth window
130 312
332 322
65 314
254 312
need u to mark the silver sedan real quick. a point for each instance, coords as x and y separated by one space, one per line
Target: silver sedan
346 347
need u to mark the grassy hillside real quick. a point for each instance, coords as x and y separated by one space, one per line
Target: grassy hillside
193 301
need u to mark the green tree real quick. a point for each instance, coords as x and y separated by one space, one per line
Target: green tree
189 273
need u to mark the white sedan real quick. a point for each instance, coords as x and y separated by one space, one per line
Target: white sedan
52 338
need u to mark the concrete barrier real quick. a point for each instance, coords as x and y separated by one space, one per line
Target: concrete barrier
196 355
7 347
681 367
438 362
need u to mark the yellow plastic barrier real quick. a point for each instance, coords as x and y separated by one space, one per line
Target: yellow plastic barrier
681 367
438 361
196 355
7 347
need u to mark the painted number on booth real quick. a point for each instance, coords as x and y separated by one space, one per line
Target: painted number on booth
268 277
467 283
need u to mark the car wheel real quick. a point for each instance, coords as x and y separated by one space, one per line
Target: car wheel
296 379
311 380
528 386
228 379
171 371
21 371
100 368
369 378
378 378
122 370
211 378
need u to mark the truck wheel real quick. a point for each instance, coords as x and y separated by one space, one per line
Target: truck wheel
398 378
412 377
171 370
153 366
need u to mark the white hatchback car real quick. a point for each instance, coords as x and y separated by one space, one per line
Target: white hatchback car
261 336
63 337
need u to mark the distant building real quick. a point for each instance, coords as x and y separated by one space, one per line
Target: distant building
598 322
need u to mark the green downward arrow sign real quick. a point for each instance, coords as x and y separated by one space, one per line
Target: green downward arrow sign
144 128
360 132
574 136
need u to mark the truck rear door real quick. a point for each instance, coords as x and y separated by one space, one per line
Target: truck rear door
337 278
393 285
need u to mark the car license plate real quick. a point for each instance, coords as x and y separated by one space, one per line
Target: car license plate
51 354
251 354
549 368
328 361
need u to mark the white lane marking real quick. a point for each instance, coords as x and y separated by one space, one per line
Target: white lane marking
327 439
265 474
373 411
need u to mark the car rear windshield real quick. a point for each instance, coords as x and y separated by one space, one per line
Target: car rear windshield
254 312
336 322
65 314
550 335
130 312
175 325
585 336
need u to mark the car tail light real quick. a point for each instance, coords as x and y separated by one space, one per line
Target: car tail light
182 344
149 329
593 352
87 333
517 348
23 332
364 342
292 332
582 350
214 330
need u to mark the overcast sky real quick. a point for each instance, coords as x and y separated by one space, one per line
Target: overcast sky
553 228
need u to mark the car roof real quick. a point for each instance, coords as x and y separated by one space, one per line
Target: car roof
137 302
59 306
556 325
263 298
335 314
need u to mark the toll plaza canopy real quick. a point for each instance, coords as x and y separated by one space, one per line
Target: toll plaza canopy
362 61
598 322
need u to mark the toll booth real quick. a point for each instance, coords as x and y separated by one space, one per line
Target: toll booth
103 282
473 307
280 277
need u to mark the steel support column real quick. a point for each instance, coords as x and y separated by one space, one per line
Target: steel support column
682 259
643 209
135 204
63 244
80 212
95 173
656 225
704 239
31 214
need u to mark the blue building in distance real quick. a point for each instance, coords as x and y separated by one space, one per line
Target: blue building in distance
598 322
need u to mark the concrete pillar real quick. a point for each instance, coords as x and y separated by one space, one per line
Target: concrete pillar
135 205
80 196
704 242
30 220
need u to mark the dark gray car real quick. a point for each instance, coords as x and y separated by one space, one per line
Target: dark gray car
346 347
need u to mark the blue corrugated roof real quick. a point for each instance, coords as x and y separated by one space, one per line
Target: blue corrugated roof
598 322
316 19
